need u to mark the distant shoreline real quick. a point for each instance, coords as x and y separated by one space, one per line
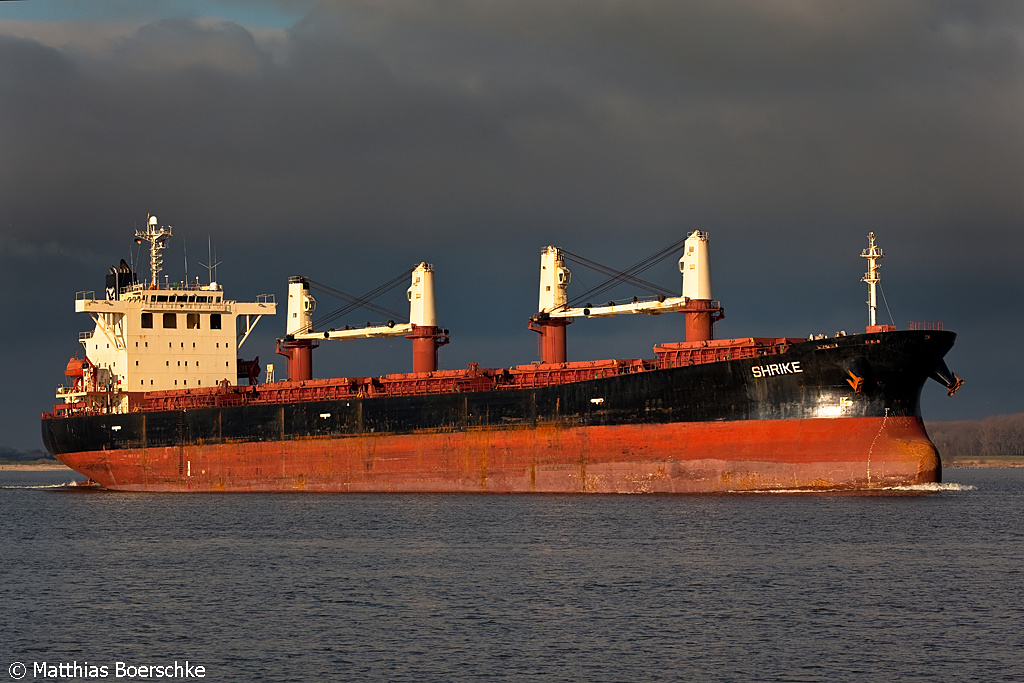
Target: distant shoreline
983 462
32 466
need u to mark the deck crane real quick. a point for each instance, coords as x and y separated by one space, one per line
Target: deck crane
554 311
300 338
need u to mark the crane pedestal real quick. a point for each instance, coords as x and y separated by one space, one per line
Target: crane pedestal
552 338
426 340
299 353
701 315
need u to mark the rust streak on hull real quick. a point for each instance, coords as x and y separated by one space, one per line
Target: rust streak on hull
825 454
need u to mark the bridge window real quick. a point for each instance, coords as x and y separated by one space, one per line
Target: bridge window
147 321
170 321
215 321
192 321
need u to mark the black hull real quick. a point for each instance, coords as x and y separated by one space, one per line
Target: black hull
812 380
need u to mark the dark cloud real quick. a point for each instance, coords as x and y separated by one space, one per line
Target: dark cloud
372 135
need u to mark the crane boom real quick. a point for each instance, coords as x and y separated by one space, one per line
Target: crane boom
421 312
654 306
422 329
390 330
554 312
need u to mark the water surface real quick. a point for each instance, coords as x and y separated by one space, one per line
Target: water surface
298 587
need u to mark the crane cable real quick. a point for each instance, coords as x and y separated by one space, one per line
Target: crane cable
626 276
353 303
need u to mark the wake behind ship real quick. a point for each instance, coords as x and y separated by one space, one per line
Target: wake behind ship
155 403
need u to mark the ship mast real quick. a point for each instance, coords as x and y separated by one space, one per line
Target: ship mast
872 254
157 237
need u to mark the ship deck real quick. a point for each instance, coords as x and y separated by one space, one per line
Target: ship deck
470 379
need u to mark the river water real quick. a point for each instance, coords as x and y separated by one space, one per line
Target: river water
912 585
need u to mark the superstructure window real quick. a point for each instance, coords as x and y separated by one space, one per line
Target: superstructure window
215 321
192 321
147 321
170 321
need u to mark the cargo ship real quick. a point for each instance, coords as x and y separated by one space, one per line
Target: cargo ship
162 401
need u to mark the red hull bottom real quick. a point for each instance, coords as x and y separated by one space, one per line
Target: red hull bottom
822 454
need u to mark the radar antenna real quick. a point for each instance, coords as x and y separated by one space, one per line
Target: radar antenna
872 254
157 237
211 268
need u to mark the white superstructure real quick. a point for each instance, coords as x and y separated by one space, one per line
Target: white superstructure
156 336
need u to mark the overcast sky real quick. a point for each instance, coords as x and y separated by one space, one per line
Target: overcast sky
347 141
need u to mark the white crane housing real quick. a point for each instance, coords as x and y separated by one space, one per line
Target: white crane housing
422 312
695 265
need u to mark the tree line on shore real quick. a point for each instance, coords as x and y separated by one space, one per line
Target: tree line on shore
996 435
14 455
